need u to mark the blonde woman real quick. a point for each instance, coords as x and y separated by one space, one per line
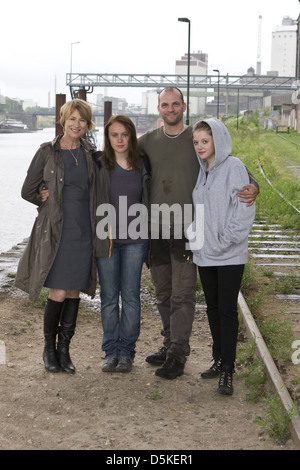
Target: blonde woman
59 254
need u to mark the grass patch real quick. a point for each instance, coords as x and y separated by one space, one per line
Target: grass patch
276 419
253 291
278 335
253 371
287 285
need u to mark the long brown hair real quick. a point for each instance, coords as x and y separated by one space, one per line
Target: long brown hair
133 153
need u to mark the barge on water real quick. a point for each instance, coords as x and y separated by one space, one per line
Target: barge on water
12 126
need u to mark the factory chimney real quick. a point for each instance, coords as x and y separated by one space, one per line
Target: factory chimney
258 63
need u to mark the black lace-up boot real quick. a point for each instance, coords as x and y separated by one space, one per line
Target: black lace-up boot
157 358
213 371
170 369
225 381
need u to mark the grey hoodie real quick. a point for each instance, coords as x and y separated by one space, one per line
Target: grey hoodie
227 222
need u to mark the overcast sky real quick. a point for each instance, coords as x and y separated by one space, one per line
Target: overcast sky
136 36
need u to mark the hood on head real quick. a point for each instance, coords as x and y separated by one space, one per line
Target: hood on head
222 140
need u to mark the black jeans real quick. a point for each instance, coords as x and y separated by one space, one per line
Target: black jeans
221 285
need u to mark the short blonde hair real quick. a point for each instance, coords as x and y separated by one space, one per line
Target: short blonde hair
82 107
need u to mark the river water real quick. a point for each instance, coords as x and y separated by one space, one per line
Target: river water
17 215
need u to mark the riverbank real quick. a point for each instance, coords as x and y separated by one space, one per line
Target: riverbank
8 264
92 410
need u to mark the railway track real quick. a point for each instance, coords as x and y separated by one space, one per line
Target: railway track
276 252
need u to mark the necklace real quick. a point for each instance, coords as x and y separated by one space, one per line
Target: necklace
173 136
75 158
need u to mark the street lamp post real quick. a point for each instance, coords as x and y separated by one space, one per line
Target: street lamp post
218 106
186 20
72 54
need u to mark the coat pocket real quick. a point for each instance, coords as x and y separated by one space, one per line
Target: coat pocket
42 224
48 174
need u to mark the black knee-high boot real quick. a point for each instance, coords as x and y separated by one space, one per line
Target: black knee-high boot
66 331
52 315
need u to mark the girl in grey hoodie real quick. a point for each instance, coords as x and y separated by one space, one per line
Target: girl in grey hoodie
221 226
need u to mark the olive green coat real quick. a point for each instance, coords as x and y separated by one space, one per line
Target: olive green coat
47 169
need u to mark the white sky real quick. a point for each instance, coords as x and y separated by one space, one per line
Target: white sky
136 36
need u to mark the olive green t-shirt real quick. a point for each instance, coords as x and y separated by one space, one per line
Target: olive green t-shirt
174 171
174 166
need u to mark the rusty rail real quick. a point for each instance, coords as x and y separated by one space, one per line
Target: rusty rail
272 371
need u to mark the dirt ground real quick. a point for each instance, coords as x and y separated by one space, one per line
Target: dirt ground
93 410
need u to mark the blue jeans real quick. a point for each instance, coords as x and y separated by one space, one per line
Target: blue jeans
120 275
